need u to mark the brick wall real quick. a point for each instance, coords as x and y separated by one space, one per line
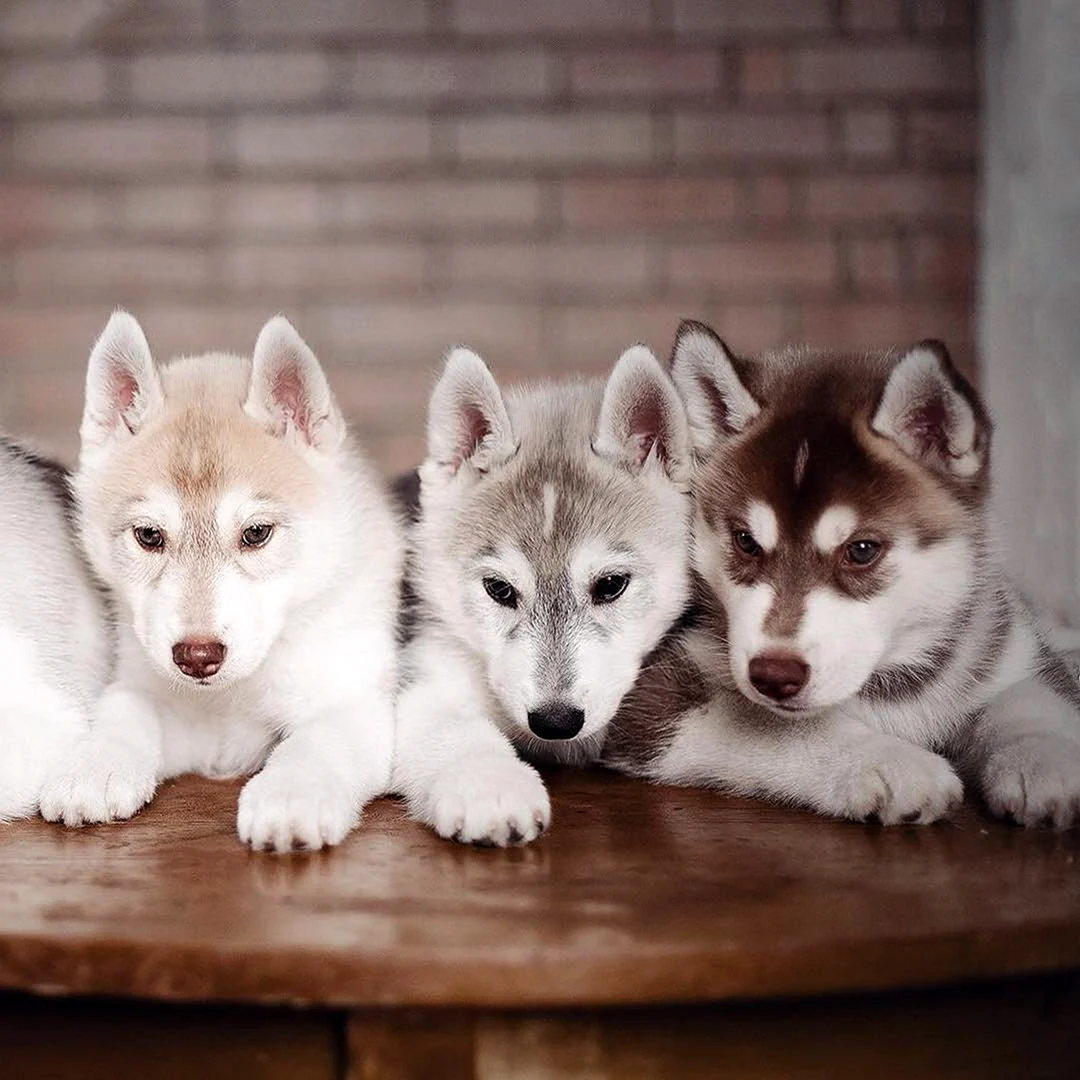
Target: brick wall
547 180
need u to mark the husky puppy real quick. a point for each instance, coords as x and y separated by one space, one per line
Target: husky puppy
551 555
53 628
255 564
866 630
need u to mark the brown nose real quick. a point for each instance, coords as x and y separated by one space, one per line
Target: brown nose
198 658
778 676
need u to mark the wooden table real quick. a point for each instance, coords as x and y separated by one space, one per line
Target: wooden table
654 932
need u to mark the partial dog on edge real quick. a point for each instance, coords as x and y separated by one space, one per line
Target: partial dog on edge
856 628
54 640
551 555
255 565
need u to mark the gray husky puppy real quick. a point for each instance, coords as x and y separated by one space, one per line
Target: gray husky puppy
54 642
857 635
551 555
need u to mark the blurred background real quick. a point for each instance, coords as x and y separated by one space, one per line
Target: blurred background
548 180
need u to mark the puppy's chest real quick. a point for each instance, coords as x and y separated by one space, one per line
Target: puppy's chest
217 739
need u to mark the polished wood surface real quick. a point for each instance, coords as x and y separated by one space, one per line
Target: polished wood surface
638 894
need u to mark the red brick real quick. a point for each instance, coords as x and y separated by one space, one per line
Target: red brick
151 22
645 72
943 135
551 267
763 72
44 85
935 15
754 265
869 134
944 265
44 334
556 140
874 265
590 339
884 69
751 136
124 147
272 208
451 76
35 211
334 19
854 324
444 205
750 17
46 22
419 331
168 209
876 15
319 270
556 17
751 327
906 197
648 203
772 199
118 274
330 143
212 80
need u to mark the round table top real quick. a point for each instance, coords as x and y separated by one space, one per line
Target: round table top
638 894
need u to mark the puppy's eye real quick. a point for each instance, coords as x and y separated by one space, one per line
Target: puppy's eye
254 536
608 588
746 543
862 552
148 537
502 592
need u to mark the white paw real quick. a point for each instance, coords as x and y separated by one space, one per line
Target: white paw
285 809
896 783
494 803
34 743
99 780
1035 781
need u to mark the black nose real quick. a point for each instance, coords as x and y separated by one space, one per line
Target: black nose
778 675
556 721
198 658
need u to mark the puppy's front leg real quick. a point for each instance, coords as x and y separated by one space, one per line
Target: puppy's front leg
1024 749
831 763
112 770
457 771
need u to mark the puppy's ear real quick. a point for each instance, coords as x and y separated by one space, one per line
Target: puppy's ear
467 420
642 421
706 374
288 392
123 390
933 414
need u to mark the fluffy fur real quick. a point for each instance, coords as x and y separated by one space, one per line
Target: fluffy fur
550 557
255 564
54 642
866 639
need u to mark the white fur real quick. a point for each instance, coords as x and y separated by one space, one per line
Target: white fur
761 522
54 647
306 688
834 527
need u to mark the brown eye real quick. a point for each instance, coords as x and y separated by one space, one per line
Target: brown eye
254 536
609 588
746 543
148 537
502 592
862 552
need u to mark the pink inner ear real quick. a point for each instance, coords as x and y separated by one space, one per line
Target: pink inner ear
474 429
289 394
122 391
927 425
647 427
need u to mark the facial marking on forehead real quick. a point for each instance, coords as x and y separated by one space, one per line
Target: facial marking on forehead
802 457
550 498
761 521
834 527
